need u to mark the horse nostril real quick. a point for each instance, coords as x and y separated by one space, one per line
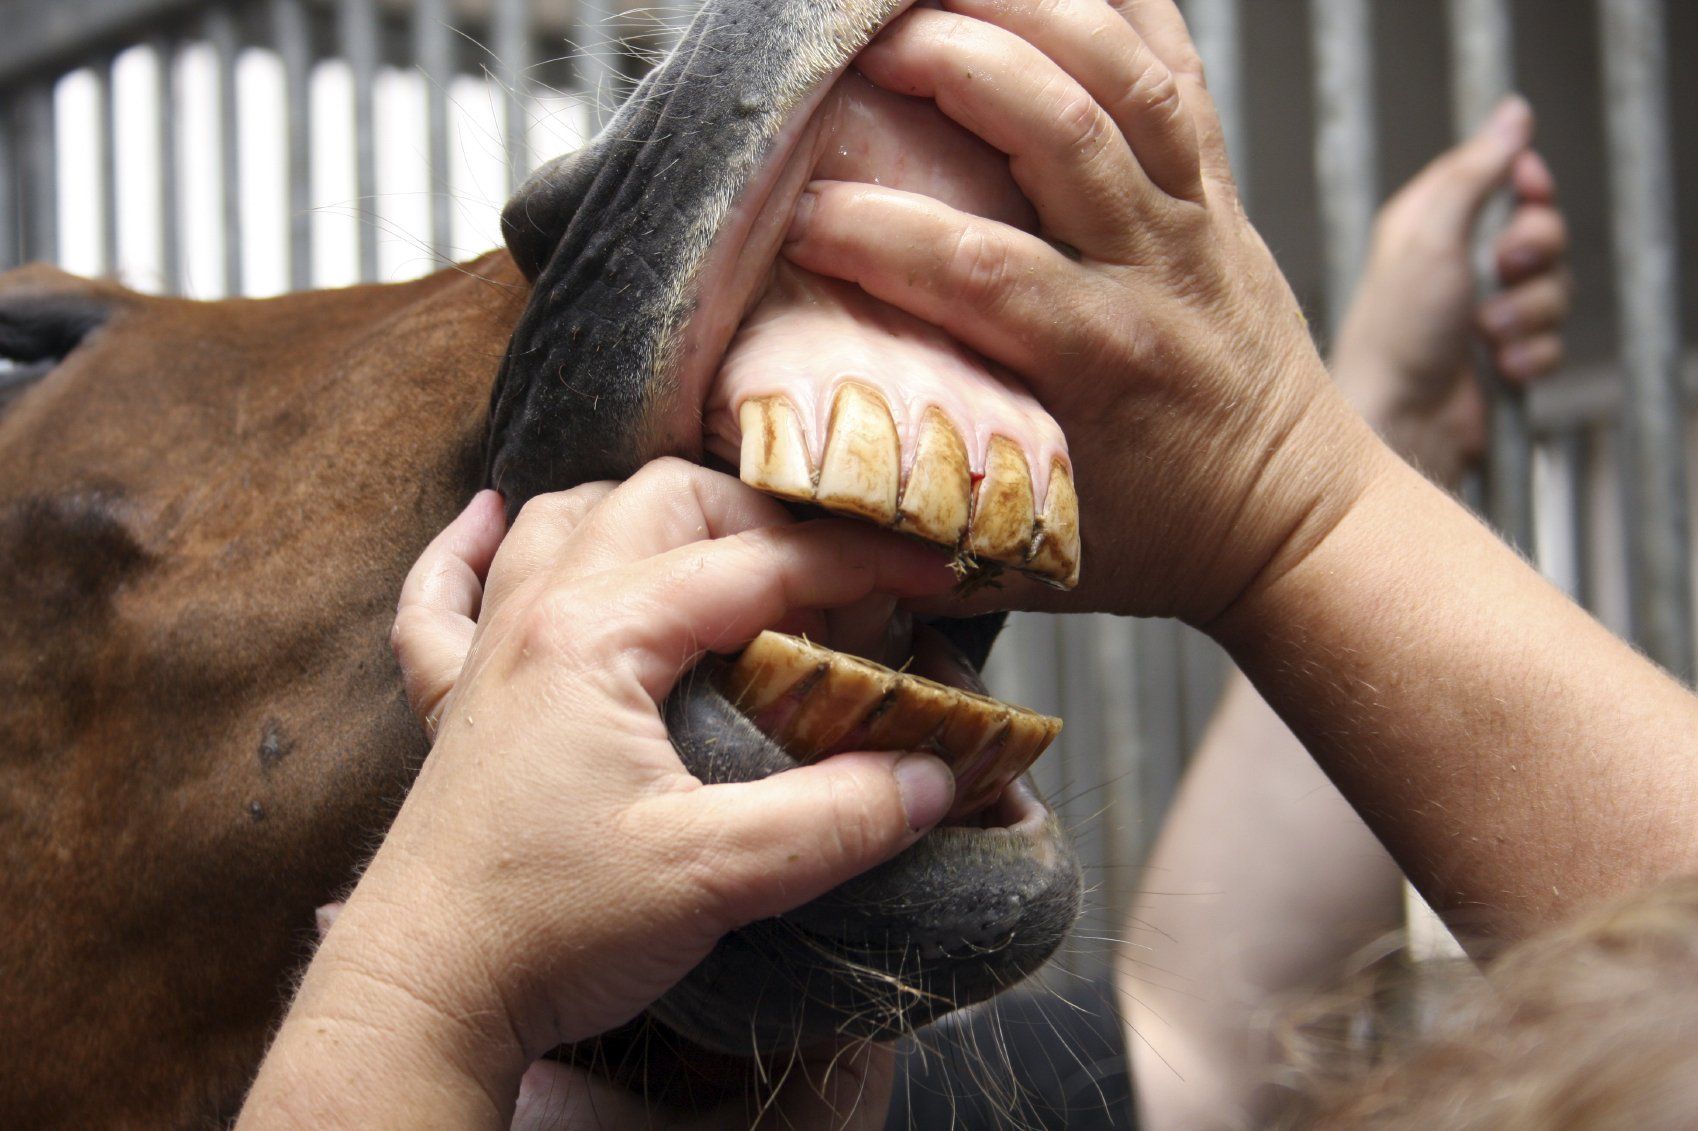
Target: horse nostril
535 220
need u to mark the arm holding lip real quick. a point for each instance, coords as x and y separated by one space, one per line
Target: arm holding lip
487 930
1264 883
1517 759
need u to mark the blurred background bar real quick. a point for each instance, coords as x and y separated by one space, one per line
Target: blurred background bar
292 39
1653 427
1346 151
1327 105
1482 70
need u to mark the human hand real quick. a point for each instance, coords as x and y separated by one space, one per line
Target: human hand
554 868
1146 315
1402 355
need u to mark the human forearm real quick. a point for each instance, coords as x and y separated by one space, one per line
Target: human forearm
1262 883
1516 758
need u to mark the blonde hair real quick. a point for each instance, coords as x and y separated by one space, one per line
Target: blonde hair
1592 1025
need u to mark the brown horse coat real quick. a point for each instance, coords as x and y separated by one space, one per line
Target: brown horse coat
206 510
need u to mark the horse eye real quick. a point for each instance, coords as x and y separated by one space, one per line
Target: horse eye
38 331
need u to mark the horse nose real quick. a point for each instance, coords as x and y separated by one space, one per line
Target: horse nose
535 220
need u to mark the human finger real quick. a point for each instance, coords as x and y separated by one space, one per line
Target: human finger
1530 358
668 503
1127 79
1161 26
766 847
990 286
658 616
1532 179
544 526
1533 308
1535 240
439 604
1448 195
1065 152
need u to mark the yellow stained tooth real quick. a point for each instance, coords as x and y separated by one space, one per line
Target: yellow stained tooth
973 724
913 713
1056 558
1008 755
775 451
1003 519
834 706
938 497
821 699
769 668
862 466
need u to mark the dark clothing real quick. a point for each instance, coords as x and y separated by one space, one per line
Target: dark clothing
1031 1060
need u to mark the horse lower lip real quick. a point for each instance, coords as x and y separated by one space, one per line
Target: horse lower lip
814 702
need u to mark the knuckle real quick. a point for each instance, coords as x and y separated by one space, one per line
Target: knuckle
407 634
550 624
979 266
1081 124
1154 93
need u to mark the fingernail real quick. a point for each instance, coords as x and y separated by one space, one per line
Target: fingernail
803 216
325 918
927 788
1509 121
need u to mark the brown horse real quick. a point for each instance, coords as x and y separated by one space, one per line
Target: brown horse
206 513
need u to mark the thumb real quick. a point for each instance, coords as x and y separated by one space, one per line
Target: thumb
792 837
1457 185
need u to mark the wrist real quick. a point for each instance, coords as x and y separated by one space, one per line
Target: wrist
1326 470
396 1022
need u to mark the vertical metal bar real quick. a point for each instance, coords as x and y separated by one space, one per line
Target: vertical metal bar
1114 665
1482 70
1217 30
1346 154
38 161
11 216
1574 454
222 33
170 172
292 35
1647 287
106 124
433 51
510 39
359 34
598 63
1088 811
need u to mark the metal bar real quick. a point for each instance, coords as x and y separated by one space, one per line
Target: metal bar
433 51
1346 153
225 39
598 62
170 173
359 34
38 162
1482 73
510 39
106 125
51 37
1574 454
1217 30
292 36
1636 122
1114 664
11 216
